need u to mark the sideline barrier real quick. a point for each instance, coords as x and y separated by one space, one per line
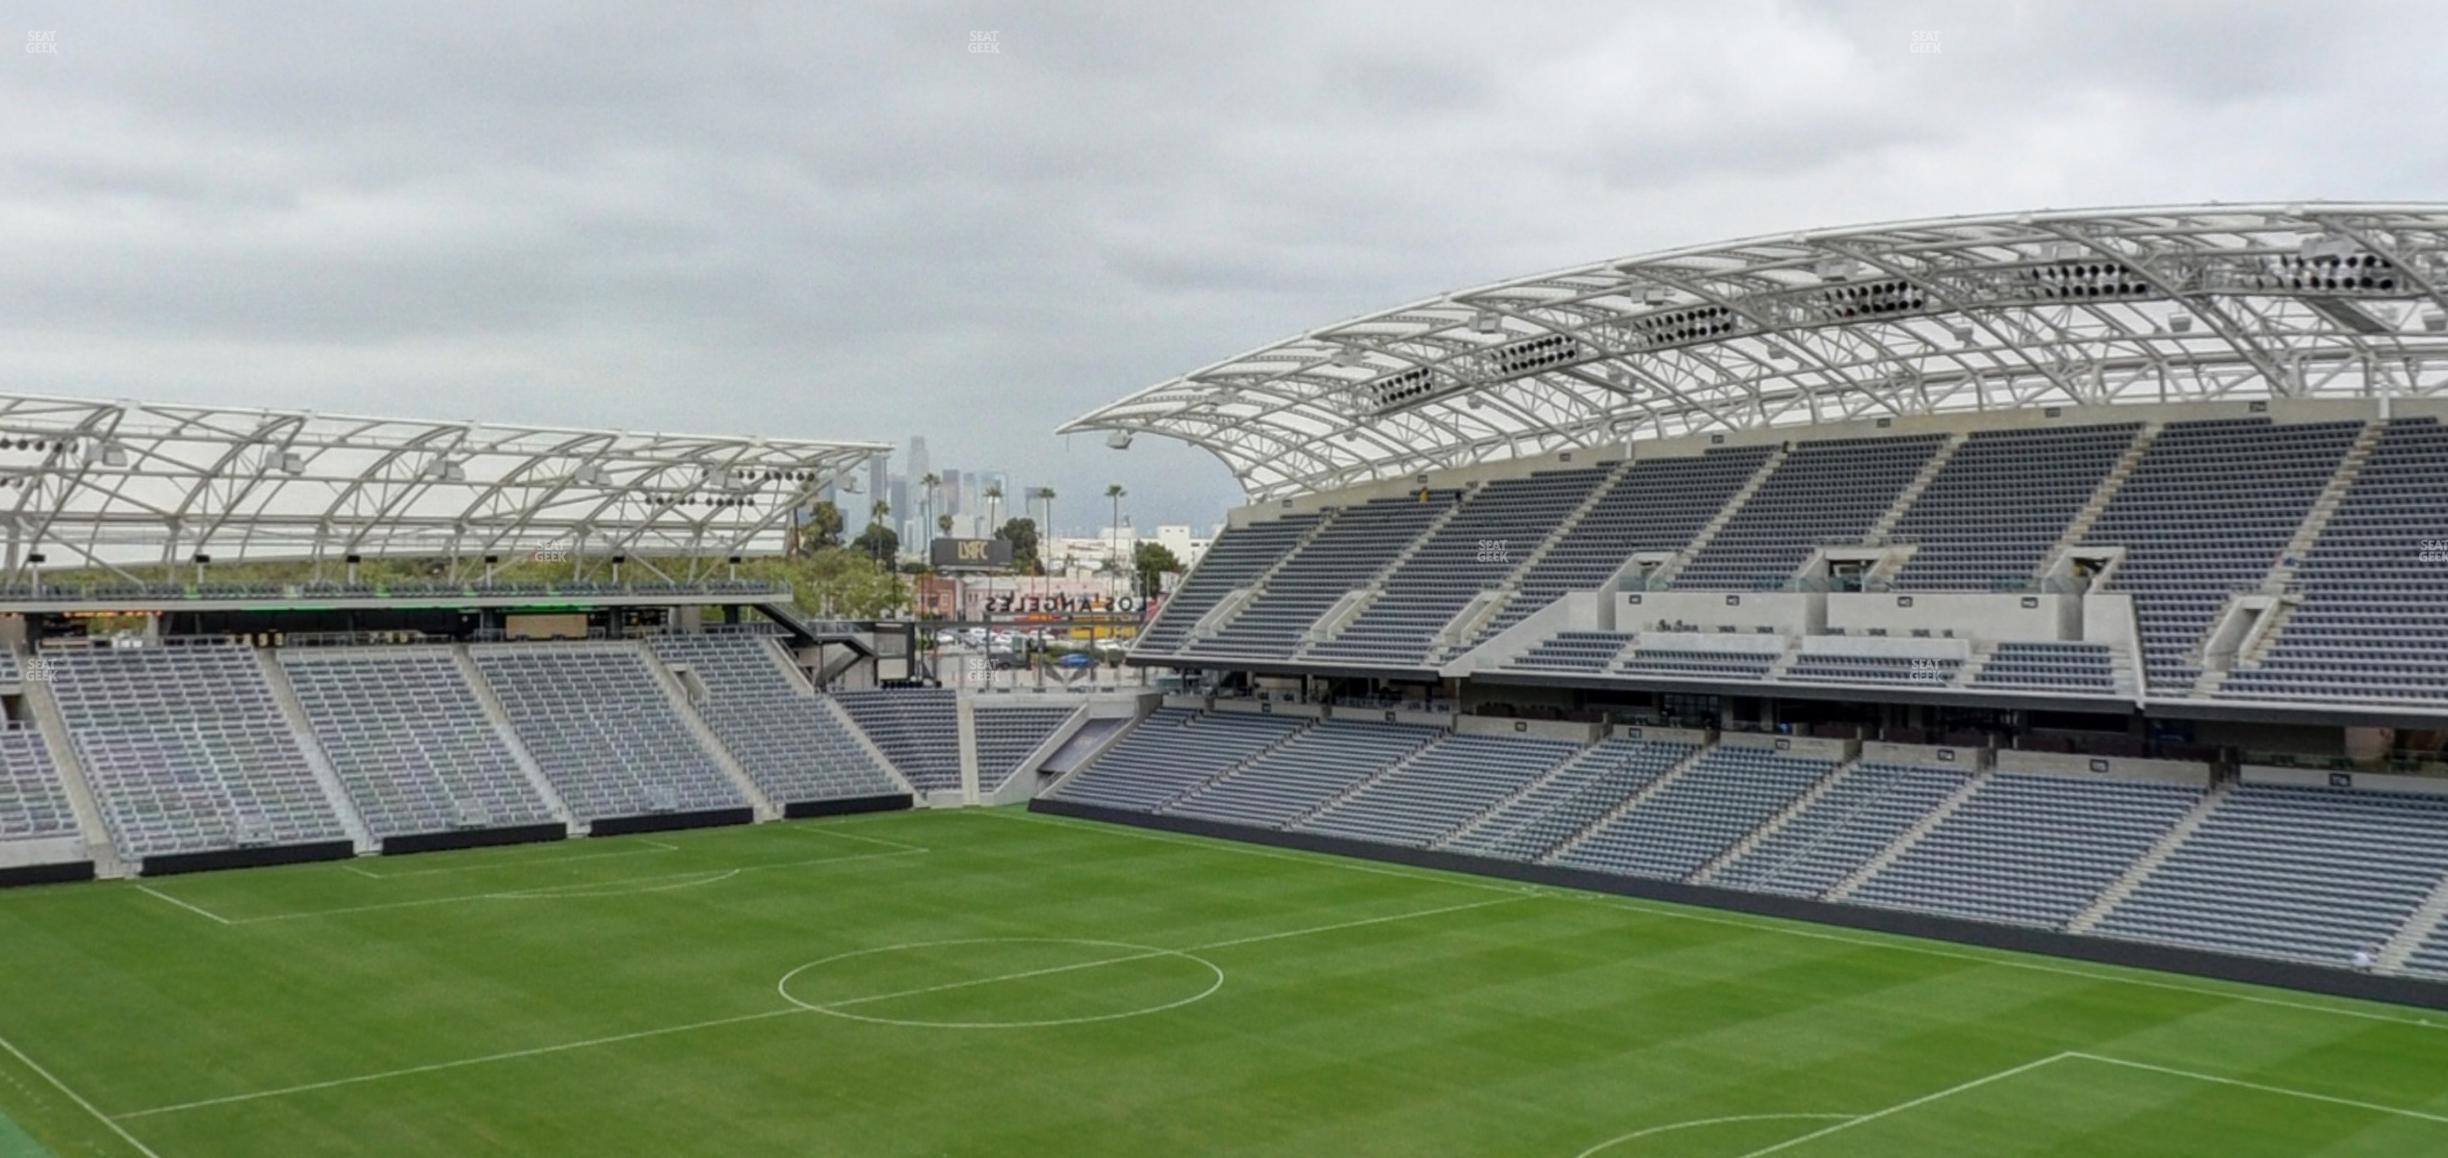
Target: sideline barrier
473 838
230 858
894 802
671 821
47 874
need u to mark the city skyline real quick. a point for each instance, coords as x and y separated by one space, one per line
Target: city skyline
869 229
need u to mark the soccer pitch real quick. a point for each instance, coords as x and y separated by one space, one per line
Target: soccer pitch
994 983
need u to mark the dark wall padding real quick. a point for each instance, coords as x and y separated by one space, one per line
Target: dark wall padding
2307 978
473 838
668 821
47 874
230 858
802 809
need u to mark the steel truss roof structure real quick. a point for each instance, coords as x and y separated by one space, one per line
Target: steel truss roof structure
117 484
2173 303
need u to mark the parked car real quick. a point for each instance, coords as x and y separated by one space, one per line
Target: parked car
1076 659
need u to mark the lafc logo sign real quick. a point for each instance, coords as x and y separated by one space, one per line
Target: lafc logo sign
971 554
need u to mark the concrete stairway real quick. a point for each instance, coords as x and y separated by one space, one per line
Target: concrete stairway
1769 827
2332 496
499 717
1629 803
1237 600
1224 774
1532 785
53 726
301 729
2101 495
1982 652
1725 514
2141 869
1331 624
850 725
1336 800
1896 849
2418 928
1912 491
1464 631
764 807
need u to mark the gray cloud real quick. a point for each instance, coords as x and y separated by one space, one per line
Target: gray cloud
840 221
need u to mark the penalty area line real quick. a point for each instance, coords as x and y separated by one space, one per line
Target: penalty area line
645 884
509 1055
547 892
78 1098
2307 1095
506 1055
1923 1100
198 910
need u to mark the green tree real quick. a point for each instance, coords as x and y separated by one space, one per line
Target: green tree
1021 533
834 580
1154 561
878 542
822 528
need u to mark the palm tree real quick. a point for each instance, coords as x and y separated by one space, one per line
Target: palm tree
994 508
943 523
880 515
926 507
1115 492
1045 534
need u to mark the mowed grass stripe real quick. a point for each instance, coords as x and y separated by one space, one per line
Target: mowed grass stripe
1368 1010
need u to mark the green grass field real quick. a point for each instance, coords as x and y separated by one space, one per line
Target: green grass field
992 983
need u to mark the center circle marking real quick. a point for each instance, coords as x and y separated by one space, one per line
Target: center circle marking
1123 953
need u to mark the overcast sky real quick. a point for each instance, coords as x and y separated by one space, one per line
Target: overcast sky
840 221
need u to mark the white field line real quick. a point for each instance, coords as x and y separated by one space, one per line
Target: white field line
466 1061
1900 1107
1700 1123
1609 901
1352 924
78 1098
654 847
799 826
2307 1095
673 881
746 1017
670 880
1154 953
1900 943
2027 1067
198 910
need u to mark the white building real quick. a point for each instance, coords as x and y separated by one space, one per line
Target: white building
1084 555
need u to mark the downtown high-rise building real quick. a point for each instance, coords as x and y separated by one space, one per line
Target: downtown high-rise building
879 486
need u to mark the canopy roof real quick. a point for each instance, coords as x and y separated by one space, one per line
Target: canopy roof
87 483
2163 304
